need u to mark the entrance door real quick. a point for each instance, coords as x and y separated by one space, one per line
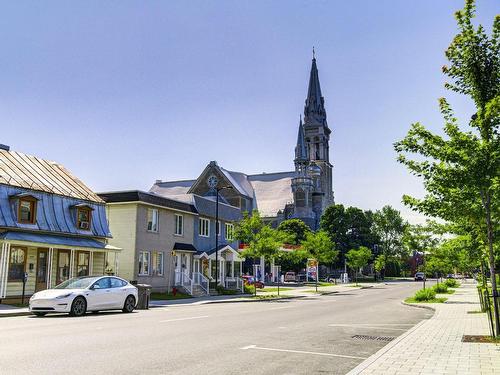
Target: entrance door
62 266
41 269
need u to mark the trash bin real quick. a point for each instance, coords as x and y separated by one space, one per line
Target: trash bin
144 292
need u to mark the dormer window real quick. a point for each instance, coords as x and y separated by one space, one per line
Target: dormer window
25 205
84 216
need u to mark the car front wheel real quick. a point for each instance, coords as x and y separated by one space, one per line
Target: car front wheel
129 305
78 307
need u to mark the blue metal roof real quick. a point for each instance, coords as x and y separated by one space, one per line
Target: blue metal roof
53 240
54 213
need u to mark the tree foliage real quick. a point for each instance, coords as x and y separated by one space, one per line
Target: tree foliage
358 258
348 227
319 246
296 229
461 170
389 226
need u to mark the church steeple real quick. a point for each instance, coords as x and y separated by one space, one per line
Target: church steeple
300 149
314 109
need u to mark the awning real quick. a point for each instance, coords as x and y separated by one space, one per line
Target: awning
49 239
184 247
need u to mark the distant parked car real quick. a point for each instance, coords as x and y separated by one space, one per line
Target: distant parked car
250 280
78 295
290 277
420 276
301 276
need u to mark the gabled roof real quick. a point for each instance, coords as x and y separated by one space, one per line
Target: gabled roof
30 172
272 191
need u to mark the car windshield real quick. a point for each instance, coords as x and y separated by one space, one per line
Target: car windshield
77 283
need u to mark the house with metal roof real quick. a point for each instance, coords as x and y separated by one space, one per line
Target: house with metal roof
170 243
52 226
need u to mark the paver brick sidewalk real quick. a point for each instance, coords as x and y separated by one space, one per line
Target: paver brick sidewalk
435 346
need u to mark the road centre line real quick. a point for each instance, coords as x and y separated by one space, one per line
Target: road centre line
180 319
255 347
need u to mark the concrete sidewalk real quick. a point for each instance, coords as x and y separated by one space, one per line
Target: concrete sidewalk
8 310
435 346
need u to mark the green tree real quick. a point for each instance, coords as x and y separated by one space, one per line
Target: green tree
296 228
390 227
358 258
348 227
379 263
461 170
319 246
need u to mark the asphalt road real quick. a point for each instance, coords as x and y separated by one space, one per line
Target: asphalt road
303 336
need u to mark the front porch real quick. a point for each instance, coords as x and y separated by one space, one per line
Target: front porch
197 280
48 263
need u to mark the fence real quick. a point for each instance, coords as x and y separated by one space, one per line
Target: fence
488 301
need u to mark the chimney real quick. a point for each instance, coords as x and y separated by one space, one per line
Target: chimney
4 147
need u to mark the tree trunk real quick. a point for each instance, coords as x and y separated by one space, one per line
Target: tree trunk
491 255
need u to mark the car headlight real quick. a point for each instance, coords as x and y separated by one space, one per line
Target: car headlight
64 296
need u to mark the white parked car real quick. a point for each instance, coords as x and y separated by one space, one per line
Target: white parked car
78 295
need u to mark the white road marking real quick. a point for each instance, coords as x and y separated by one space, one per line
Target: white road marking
255 347
179 319
374 326
279 308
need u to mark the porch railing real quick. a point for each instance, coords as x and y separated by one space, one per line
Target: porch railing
202 281
184 280
234 283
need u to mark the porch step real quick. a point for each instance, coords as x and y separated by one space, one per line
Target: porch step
198 291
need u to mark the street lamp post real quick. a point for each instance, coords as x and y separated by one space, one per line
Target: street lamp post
217 232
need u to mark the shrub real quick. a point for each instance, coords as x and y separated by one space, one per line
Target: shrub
452 283
440 288
249 289
425 295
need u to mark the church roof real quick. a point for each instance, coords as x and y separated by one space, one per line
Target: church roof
270 192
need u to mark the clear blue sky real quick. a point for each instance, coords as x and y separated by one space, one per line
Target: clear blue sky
126 92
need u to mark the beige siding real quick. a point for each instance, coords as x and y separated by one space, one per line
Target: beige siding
122 223
128 225
98 265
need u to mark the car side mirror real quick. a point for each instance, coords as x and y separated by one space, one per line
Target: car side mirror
96 286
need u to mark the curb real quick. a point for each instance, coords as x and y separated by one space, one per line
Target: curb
8 315
418 306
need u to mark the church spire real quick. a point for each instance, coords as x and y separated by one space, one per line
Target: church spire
314 106
300 149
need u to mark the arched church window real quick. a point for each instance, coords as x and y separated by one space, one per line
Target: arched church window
300 198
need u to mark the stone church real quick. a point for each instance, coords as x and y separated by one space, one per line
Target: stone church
303 193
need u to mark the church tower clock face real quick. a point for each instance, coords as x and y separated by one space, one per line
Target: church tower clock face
212 181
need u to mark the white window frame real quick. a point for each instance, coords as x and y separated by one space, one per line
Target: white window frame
148 263
176 230
204 223
155 215
231 226
218 228
158 271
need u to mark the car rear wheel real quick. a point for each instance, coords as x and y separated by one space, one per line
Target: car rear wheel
129 304
40 313
78 307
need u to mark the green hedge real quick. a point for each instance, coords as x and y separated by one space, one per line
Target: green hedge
452 283
425 295
440 288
